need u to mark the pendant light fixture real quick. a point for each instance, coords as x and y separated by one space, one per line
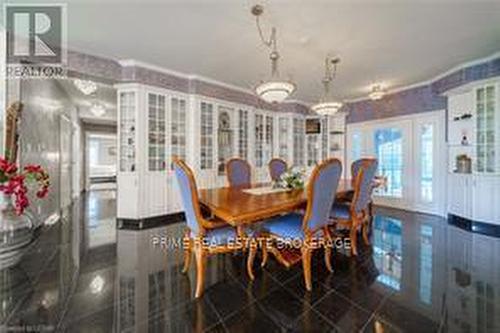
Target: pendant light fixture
327 105
274 90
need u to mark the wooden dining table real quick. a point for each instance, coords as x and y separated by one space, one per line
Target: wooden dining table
237 207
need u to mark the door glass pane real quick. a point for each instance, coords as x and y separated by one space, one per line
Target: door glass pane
389 151
426 162
356 146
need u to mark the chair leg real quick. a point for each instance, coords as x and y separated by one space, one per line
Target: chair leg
265 254
306 266
365 226
328 250
200 269
250 260
354 237
187 255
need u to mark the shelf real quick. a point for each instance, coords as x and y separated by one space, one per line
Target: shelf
337 133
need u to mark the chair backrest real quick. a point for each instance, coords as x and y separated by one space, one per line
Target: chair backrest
189 195
239 172
277 167
363 173
321 194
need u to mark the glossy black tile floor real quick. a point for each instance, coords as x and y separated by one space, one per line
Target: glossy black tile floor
83 275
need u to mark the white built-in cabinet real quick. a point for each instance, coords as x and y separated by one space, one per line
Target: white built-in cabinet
474 130
155 125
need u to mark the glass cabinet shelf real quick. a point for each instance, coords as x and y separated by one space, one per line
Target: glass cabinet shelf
127 131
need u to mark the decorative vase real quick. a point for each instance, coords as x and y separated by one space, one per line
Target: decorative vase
16 233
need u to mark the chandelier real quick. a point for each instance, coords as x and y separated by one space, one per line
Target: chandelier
98 109
327 106
377 92
87 87
274 90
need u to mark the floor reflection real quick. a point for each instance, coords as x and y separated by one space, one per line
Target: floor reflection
83 275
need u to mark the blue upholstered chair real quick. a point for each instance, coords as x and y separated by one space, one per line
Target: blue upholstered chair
277 167
313 225
203 237
239 172
356 213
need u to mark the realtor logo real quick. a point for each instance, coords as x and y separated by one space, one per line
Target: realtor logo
35 40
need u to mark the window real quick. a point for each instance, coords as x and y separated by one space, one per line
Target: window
298 141
206 136
259 140
283 124
426 162
243 134
127 131
178 128
356 146
156 132
389 151
269 138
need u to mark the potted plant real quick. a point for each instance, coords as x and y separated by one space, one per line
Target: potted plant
16 228
293 178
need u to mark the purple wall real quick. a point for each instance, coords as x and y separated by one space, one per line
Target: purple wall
420 99
411 101
414 100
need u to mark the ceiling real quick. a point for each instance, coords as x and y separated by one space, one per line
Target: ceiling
396 43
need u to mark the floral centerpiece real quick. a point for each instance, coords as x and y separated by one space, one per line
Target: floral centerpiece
15 182
293 178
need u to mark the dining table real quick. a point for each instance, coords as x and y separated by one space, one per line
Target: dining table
240 205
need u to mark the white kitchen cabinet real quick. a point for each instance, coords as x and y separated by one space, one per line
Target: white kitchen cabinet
158 124
486 199
460 195
153 129
474 130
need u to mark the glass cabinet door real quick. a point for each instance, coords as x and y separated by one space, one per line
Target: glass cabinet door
206 136
178 128
243 134
127 131
156 132
259 140
283 124
324 138
269 138
224 138
299 133
312 149
485 129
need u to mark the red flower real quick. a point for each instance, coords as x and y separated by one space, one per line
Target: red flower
13 183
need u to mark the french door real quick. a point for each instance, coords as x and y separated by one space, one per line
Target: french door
410 151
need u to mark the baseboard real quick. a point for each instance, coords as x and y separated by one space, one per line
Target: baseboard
474 226
150 222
